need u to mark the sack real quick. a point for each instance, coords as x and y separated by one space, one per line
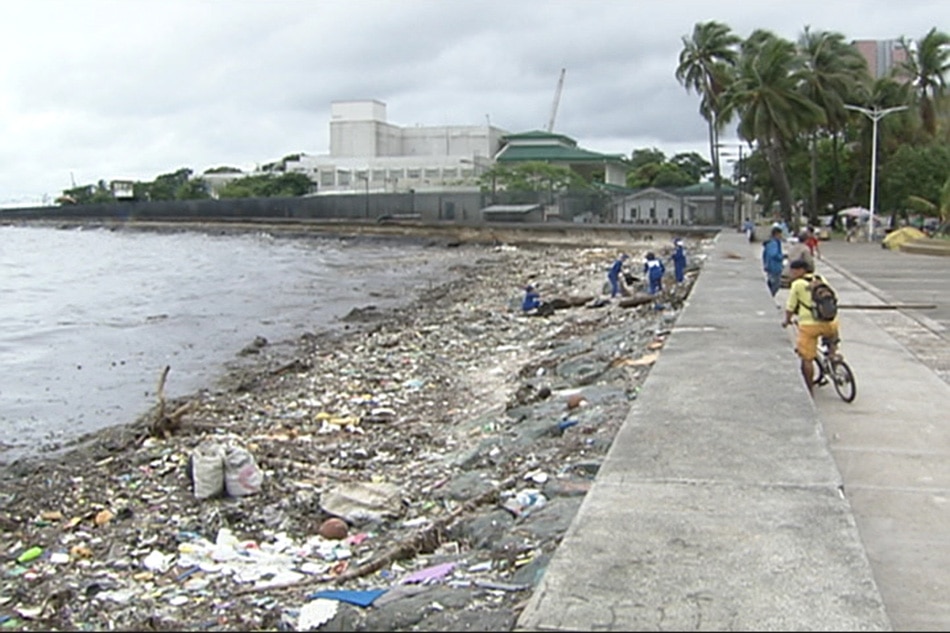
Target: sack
824 302
242 475
206 470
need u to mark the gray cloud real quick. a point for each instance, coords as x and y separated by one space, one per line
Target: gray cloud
111 89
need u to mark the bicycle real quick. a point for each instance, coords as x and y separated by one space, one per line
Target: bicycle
836 370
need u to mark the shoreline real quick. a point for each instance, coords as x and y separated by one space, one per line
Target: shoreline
461 403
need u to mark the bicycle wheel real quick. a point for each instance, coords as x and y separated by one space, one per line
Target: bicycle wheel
843 379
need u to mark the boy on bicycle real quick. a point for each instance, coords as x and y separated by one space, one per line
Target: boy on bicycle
799 305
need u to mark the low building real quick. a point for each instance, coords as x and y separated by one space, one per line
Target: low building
654 206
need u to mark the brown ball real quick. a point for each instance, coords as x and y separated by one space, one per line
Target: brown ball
334 529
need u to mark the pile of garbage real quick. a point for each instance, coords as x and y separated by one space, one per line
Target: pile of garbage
412 469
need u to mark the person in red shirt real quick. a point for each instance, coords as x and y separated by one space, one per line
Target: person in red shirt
811 241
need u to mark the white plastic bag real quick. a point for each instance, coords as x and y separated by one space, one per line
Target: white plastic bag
242 476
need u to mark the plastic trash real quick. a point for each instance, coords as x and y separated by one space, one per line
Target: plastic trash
359 598
316 613
429 574
31 554
242 475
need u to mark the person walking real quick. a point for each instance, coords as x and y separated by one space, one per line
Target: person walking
799 307
679 260
748 227
614 276
811 241
772 260
653 269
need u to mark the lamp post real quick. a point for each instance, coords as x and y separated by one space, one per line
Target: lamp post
875 114
739 168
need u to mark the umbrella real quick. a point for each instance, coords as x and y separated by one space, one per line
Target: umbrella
855 212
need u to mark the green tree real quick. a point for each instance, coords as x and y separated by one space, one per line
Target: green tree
705 65
641 157
772 109
267 186
693 164
926 69
532 176
831 72
914 171
194 189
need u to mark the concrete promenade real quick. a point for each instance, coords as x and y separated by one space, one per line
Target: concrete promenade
732 501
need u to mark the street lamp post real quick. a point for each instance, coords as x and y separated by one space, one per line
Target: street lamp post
739 179
875 114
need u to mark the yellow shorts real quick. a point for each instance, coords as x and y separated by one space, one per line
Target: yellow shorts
807 344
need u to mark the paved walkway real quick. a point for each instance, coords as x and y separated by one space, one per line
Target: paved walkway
731 501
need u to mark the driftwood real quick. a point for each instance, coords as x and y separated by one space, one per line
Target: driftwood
636 300
162 424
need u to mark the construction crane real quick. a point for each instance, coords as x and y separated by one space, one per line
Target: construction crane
557 99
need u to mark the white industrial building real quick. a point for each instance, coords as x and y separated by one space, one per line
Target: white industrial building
369 153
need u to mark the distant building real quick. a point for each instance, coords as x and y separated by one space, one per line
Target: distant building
367 153
882 56
122 189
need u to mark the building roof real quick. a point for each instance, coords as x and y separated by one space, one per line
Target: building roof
549 147
706 189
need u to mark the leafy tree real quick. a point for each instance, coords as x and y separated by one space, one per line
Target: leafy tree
194 189
267 186
532 176
914 171
670 175
772 110
926 69
641 157
223 170
706 65
693 164
832 70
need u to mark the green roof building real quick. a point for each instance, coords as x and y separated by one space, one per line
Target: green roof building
558 149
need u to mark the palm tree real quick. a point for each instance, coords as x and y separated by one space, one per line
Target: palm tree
926 68
772 109
832 70
705 65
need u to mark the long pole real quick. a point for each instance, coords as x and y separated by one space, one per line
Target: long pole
873 177
875 115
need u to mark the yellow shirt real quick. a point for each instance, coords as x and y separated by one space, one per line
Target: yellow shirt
799 299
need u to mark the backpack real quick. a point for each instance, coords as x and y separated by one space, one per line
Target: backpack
824 302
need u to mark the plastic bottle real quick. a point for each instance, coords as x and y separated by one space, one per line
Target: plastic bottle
31 554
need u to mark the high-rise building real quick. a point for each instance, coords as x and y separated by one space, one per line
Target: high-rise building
881 55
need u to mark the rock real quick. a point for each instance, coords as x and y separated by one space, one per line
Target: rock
334 529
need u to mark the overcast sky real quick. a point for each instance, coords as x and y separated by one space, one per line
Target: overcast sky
131 89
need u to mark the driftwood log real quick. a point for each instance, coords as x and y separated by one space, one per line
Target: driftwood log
160 422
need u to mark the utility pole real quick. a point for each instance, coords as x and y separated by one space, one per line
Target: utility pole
875 114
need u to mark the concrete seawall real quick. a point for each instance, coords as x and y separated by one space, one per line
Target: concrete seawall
719 505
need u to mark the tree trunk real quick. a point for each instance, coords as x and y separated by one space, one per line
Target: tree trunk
717 179
776 163
813 202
